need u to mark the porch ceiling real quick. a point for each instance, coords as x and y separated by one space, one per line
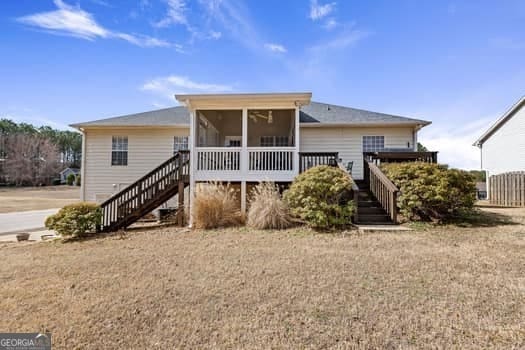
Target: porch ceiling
239 101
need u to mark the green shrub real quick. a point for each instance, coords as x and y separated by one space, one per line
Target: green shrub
431 191
75 220
56 182
321 197
77 180
70 179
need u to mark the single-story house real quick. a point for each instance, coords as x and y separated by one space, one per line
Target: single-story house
66 172
236 138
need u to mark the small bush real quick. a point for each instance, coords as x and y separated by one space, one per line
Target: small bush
77 181
75 220
267 209
215 205
321 197
56 182
70 179
432 191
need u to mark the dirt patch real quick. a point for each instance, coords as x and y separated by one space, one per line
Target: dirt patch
14 199
444 287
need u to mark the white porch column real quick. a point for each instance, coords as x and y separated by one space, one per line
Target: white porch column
244 157
193 159
297 141
244 144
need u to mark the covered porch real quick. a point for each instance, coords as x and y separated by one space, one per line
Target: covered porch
244 137
246 144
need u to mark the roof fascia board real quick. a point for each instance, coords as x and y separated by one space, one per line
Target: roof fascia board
499 123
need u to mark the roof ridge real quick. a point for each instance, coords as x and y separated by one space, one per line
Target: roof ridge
369 111
509 113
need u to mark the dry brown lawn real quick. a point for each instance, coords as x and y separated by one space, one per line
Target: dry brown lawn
444 287
37 198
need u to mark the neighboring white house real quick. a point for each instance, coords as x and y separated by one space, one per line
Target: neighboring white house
502 146
239 138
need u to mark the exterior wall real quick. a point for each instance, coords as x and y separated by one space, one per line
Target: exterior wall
349 142
504 150
147 148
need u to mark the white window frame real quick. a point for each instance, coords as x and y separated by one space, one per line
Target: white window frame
373 143
119 145
180 143
274 141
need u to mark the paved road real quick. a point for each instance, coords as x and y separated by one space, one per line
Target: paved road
24 220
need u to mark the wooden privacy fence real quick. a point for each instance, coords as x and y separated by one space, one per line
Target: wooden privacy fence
507 189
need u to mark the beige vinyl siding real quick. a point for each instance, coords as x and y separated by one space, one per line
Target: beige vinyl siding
504 150
147 148
348 142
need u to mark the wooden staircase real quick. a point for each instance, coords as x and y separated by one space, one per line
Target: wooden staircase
369 209
147 193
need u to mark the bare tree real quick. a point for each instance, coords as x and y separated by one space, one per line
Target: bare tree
31 159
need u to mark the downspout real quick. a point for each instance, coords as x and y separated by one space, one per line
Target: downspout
83 167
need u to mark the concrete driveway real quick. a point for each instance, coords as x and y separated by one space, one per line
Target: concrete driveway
24 220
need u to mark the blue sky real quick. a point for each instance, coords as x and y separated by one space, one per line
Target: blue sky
457 63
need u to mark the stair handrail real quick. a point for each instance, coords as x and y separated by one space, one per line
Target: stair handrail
355 189
159 173
385 191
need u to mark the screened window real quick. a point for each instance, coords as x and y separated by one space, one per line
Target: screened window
373 143
274 141
180 143
119 150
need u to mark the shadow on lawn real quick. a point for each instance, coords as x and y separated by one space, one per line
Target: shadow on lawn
480 218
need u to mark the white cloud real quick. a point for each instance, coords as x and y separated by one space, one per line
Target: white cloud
73 21
176 84
275 47
341 40
215 35
454 143
234 17
330 24
176 14
318 11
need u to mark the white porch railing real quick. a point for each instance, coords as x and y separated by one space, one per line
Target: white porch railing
251 159
218 158
270 158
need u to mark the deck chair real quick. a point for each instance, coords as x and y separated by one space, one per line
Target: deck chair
349 167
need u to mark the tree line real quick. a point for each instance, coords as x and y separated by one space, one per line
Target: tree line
31 155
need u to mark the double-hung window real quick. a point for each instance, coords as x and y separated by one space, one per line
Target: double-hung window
180 143
274 141
119 150
373 143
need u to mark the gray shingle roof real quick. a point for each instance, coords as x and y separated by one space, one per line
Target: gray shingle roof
313 113
161 117
317 112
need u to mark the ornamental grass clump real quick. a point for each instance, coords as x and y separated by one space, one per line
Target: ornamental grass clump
432 192
267 209
215 205
321 197
75 220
